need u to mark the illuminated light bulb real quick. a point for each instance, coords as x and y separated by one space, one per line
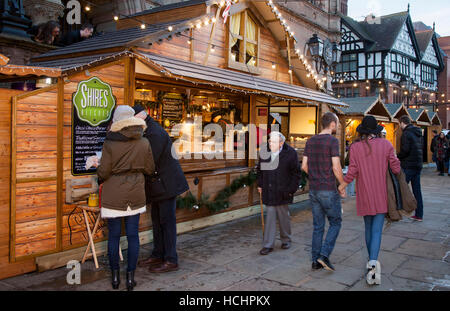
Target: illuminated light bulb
222 3
290 71
302 56
308 75
170 28
199 25
275 8
116 18
206 22
273 66
355 85
142 26
292 33
213 19
288 27
87 8
381 90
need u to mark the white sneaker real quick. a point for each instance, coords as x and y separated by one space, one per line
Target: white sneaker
378 273
370 277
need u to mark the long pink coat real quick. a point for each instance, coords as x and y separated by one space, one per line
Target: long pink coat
370 173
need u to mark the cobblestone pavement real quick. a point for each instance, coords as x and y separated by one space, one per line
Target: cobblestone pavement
414 256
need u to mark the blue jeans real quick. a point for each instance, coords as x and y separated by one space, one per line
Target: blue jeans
114 231
164 224
374 229
325 203
413 176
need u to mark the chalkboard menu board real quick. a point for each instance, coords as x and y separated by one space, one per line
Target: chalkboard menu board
92 106
172 107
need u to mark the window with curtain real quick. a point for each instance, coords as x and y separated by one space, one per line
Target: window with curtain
244 33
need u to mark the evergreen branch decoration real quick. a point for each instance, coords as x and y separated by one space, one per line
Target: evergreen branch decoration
221 201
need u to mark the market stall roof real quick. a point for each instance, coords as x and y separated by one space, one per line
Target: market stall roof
397 110
117 40
434 117
234 80
419 116
362 106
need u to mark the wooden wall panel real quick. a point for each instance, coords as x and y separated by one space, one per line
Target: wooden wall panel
270 53
35 209
7 269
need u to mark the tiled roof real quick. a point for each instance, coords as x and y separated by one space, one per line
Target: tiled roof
393 108
113 39
358 105
171 6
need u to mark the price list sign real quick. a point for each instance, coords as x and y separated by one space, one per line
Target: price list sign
92 106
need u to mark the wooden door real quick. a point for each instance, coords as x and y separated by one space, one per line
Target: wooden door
35 171
7 269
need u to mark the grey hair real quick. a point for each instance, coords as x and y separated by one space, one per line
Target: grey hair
280 136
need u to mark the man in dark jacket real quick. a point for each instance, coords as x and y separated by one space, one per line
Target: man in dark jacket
411 157
433 145
161 190
278 180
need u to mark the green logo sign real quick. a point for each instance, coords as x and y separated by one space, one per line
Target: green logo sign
94 101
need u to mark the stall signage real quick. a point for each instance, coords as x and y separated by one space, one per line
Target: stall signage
92 106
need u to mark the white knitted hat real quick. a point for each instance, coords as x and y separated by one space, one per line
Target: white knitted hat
123 112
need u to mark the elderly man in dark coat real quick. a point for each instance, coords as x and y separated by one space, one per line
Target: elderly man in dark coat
278 180
161 191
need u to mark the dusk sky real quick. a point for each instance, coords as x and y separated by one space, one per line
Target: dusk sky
427 11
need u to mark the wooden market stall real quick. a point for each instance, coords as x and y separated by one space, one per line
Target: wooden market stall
397 111
421 119
358 108
54 130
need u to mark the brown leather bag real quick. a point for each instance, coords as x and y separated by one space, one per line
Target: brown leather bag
409 203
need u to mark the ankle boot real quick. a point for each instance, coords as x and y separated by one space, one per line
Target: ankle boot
131 283
115 278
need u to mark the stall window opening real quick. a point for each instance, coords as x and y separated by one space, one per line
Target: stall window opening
244 45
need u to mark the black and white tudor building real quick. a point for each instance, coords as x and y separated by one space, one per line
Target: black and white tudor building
385 56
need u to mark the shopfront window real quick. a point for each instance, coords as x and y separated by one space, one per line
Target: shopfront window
427 74
243 42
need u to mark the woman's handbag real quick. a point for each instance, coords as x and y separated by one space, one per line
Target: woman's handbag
399 195
396 188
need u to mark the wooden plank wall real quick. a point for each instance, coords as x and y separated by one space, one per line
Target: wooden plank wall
36 160
179 48
7 269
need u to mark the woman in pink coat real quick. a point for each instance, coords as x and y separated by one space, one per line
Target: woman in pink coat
370 157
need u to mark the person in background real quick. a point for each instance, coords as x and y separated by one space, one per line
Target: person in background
321 161
126 157
441 152
369 160
411 157
433 148
447 160
278 179
75 36
47 33
161 190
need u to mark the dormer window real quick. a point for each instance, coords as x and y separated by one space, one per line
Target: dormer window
243 42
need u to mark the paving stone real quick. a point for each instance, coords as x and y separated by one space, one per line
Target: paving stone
261 284
423 249
289 274
348 235
391 283
343 275
6 287
215 278
254 266
430 271
390 242
323 285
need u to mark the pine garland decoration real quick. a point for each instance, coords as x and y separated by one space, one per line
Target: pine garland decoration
221 201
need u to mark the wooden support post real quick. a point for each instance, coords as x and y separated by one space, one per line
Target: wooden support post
191 53
59 163
252 136
211 36
289 57
129 81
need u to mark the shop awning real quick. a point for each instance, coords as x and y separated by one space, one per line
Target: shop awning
232 80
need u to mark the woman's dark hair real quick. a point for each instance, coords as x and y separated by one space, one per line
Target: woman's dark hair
45 32
365 138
